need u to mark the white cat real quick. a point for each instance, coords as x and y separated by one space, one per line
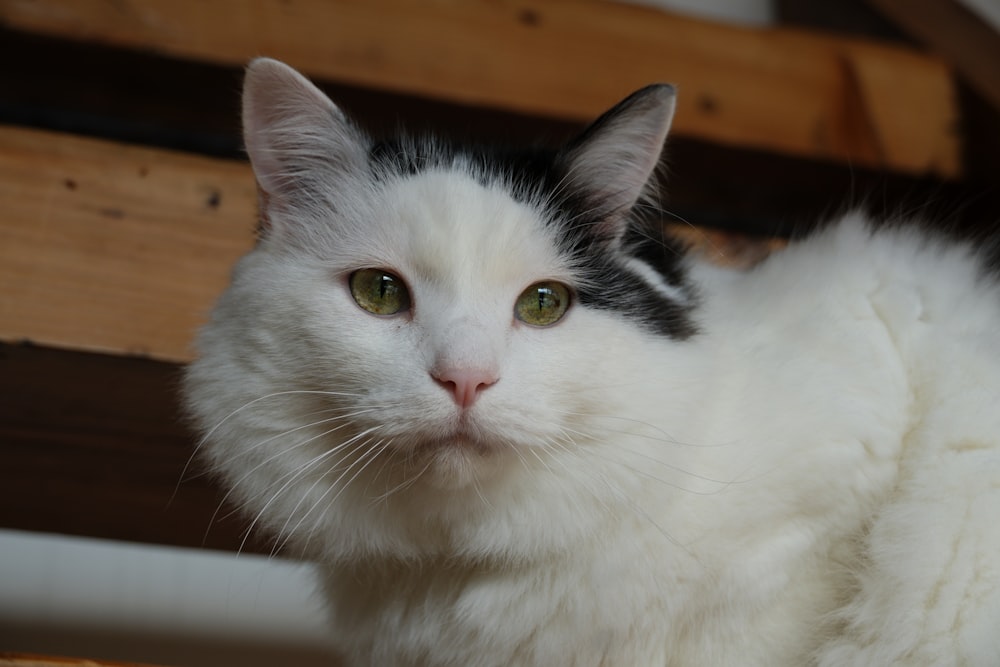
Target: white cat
515 426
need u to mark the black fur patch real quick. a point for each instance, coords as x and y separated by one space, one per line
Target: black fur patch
608 284
537 177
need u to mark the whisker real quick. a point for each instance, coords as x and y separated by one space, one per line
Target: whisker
328 420
666 437
408 481
479 492
643 514
371 454
574 452
290 476
520 456
722 484
281 452
321 478
669 466
532 451
266 397
695 228
208 435
301 471
619 495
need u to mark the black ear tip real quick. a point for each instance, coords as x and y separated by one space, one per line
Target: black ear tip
661 91
657 99
653 96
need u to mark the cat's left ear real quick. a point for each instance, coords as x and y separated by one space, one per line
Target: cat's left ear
615 159
299 142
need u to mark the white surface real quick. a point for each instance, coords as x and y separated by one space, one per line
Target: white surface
743 12
113 600
988 10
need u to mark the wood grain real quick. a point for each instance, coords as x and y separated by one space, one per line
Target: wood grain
119 249
115 248
783 90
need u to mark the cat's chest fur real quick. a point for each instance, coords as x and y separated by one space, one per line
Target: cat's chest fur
779 463
516 427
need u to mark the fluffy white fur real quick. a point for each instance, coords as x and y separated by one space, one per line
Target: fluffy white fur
812 479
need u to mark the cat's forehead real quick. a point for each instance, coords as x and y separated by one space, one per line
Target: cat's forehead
444 224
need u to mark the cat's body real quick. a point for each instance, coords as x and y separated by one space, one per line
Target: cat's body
795 465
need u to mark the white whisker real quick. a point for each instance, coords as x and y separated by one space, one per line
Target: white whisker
355 443
370 454
666 437
674 468
208 435
407 482
293 475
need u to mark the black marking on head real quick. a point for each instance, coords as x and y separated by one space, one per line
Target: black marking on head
537 177
662 252
607 283
521 171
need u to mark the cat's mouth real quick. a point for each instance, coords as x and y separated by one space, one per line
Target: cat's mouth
461 432
457 458
465 441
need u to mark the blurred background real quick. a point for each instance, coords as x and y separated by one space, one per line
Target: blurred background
125 198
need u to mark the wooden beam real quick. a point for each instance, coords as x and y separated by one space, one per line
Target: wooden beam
95 445
29 660
114 248
782 90
120 249
963 39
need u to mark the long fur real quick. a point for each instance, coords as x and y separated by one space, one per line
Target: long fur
794 465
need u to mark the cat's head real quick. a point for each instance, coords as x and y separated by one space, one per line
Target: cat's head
427 340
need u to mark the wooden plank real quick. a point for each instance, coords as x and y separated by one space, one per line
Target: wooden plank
95 445
738 251
963 39
121 249
115 248
92 88
781 90
26 660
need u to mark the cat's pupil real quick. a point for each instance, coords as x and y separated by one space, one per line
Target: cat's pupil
542 304
379 292
545 298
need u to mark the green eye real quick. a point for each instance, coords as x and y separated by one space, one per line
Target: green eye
379 292
542 304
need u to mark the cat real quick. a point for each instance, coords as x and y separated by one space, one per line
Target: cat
515 424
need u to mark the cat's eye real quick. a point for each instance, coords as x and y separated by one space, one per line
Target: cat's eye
379 292
542 304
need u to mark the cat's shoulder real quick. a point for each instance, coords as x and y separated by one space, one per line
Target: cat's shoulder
853 267
909 249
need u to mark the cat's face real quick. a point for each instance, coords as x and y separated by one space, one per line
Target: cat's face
423 337
422 333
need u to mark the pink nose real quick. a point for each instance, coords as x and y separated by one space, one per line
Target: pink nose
465 383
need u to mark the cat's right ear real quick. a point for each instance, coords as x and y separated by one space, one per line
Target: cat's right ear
616 158
296 137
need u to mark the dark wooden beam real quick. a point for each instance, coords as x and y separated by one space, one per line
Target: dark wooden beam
781 90
95 445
